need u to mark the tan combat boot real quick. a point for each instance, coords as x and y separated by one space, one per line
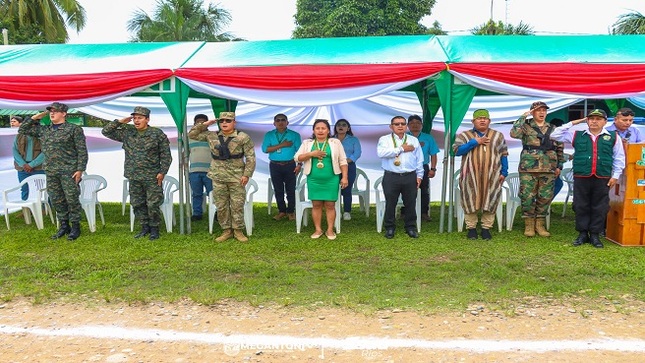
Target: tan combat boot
540 227
529 227
226 234
239 235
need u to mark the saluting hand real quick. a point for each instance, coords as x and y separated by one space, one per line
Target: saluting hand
125 120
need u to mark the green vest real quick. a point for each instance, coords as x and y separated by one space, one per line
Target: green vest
593 159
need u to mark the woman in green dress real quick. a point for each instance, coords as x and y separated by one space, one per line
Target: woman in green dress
324 160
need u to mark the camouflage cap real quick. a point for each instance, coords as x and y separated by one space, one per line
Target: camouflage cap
537 104
140 110
57 106
227 115
481 113
598 112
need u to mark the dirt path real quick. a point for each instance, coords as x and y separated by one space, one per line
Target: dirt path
236 332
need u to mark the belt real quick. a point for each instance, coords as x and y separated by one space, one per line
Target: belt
283 162
400 174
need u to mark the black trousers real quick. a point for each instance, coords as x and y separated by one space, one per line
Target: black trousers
591 198
283 179
405 186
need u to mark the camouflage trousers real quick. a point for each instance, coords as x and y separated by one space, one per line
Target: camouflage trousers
146 197
536 193
63 194
229 199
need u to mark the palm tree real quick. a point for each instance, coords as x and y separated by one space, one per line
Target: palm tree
49 18
631 23
181 20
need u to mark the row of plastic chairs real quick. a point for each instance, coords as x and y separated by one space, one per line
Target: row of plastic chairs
513 202
89 187
360 188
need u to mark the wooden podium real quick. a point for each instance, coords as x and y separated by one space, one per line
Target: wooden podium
626 218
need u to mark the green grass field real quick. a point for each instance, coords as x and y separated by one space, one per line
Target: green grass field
360 270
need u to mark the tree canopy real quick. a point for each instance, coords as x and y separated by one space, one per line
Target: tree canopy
630 23
499 28
41 21
345 18
181 20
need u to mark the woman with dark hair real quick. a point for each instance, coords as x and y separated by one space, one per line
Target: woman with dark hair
329 158
352 147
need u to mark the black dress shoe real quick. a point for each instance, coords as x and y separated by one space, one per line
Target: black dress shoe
472 233
412 233
594 239
583 238
486 234
389 233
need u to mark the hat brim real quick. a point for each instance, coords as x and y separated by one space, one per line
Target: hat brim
137 113
54 108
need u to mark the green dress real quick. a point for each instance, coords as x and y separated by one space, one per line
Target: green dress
322 183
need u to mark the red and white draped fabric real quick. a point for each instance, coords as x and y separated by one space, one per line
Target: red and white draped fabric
306 85
33 76
551 80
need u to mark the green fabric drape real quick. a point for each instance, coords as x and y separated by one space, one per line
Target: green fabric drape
455 98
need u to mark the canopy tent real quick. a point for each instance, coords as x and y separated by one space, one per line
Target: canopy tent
445 71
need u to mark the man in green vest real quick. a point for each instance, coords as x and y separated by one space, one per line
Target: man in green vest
598 162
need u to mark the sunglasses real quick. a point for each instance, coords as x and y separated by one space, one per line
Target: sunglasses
627 113
226 120
398 124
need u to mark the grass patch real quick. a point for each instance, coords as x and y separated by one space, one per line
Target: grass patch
360 270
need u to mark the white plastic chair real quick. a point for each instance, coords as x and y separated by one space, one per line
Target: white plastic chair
362 193
249 220
37 197
380 205
513 200
567 177
90 186
271 191
303 206
170 185
125 195
459 211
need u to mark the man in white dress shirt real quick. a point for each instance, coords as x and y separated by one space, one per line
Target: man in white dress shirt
402 161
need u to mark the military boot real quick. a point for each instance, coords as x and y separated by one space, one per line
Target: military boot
62 230
154 233
145 230
75 231
228 233
239 235
529 227
540 227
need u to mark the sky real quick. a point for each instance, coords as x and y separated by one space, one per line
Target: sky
273 19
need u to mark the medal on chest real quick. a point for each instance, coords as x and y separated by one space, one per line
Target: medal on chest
397 159
320 164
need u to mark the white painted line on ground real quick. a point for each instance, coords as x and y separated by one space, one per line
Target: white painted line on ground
252 341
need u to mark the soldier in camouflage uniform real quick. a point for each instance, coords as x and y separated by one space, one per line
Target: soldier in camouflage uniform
65 152
540 164
147 160
232 166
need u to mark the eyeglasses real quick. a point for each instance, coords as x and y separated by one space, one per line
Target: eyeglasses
280 119
398 124
627 113
226 120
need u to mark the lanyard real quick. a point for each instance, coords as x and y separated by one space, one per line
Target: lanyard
405 139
